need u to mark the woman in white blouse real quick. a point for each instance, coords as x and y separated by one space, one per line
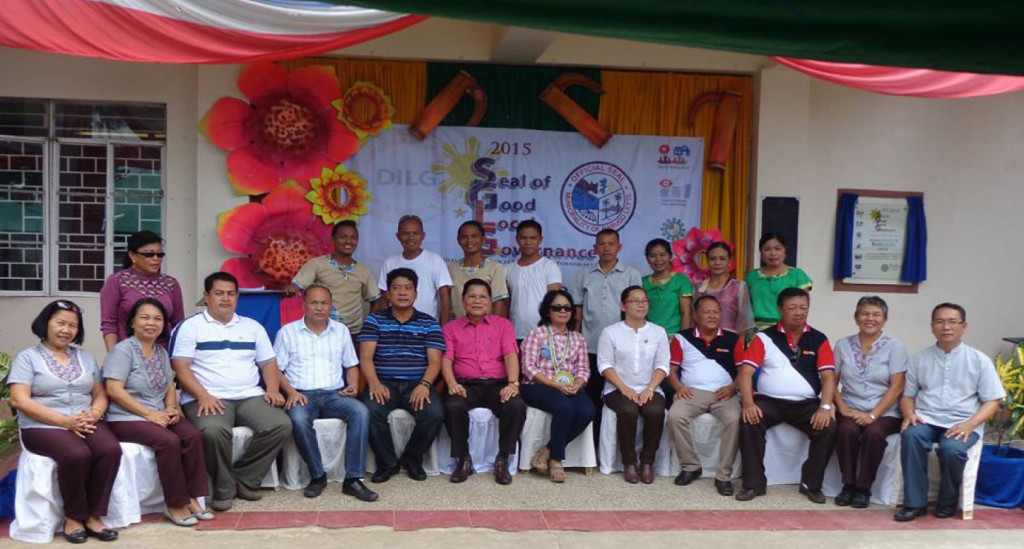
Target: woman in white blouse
633 357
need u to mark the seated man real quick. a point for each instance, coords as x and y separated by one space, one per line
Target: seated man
400 352
481 369
703 378
952 390
794 365
215 355
316 354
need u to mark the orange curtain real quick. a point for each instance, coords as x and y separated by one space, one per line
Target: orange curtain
657 103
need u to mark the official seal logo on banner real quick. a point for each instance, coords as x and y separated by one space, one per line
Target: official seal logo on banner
597 196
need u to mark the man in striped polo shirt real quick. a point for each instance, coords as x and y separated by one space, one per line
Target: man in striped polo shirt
400 351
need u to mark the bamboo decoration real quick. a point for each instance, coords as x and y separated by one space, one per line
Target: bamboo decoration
723 134
445 101
555 97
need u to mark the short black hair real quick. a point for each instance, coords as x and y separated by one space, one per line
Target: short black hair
42 320
138 305
476 282
789 293
954 306
545 308
770 236
529 224
471 223
705 297
138 240
655 243
605 232
719 244
625 295
219 275
403 272
344 223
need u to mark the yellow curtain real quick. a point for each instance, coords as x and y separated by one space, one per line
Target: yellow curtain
657 103
405 82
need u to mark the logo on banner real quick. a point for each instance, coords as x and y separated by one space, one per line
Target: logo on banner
597 196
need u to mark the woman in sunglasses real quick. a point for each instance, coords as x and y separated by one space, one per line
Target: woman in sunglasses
57 391
555 369
140 277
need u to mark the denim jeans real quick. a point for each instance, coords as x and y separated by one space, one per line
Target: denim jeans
329 404
917 442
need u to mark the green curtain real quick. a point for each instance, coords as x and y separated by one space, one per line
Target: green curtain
976 36
512 95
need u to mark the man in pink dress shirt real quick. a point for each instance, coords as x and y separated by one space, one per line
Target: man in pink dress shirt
481 370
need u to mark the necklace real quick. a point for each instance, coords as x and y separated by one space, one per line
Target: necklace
561 374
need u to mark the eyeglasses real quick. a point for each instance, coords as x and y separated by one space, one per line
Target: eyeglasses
638 301
68 306
796 355
561 308
151 255
951 323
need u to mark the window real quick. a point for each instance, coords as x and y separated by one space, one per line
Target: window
76 179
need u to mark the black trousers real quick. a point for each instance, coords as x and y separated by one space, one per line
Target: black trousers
594 390
798 414
484 393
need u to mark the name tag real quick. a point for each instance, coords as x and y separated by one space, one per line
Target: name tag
545 352
725 351
809 353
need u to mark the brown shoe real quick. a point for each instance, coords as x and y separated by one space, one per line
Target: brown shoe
244 492
539 461
501 472
462 470
629 473
647 473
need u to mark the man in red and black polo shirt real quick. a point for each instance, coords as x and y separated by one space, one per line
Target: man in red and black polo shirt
788 365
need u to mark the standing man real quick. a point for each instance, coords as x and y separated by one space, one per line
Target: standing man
351 283
475 265
315 354
218 357
481 369
703 361
435 283
952 390
400 352
530 278
597 294
794 365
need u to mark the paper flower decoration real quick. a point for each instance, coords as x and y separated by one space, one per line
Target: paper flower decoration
338 195
687 251
365 109
287 130
276 236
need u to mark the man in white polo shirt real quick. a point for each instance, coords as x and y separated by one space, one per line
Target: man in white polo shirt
215 356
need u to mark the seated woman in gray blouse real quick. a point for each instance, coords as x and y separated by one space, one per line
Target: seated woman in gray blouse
56 390
872 368
144 409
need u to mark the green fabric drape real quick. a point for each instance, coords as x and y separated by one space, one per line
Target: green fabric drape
977 36
512 95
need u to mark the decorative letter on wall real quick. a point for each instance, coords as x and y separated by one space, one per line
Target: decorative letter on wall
445 101
574 114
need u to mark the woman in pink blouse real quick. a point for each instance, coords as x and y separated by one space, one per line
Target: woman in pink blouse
140 277
555 368
731 294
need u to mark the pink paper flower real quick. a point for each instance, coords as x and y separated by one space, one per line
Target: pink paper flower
687 251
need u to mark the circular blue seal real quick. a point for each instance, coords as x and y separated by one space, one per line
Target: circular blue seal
597 196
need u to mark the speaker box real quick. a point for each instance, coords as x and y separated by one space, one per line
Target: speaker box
781 214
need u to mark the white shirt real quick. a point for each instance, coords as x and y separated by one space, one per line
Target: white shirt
432 272
697 370
313 362
633 354
224 356
528 285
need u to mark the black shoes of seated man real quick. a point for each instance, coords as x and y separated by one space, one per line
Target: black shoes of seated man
355 488
463 469
815 496
686 477
854 497
907 514
384 474
315 487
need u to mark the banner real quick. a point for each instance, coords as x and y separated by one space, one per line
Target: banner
643 186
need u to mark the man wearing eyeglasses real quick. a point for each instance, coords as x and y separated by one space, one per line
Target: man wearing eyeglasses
793 364
952 390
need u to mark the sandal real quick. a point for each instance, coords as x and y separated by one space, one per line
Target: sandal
539 461
556 472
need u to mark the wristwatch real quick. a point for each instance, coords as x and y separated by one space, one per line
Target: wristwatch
873 417
514 384
826 407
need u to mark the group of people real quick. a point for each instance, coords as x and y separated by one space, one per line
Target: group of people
499 337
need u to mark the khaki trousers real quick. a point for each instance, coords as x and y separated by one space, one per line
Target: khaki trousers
684 411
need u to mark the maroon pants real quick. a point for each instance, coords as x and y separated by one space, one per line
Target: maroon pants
86 468
627 413
860 449
180 461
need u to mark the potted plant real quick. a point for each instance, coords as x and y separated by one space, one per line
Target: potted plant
9 447
1001 472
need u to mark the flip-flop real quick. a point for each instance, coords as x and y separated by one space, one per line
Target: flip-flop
556 472
539 461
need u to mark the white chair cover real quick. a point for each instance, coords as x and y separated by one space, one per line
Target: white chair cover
483 444
536 432
707 436
610 458
330 437
966 488
241 437
888 479
402 423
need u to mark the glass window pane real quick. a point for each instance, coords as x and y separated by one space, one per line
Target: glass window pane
23 117
111 121
81 234
21 216
138 194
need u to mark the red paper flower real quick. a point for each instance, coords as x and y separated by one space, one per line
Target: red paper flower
687 251
276 235
287 130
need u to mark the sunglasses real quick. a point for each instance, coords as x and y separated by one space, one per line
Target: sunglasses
68 306
561 308
151 255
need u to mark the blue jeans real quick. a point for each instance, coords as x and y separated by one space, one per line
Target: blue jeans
570 415
917 441
329 404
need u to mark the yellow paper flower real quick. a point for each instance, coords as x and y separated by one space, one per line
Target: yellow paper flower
339 195
365 109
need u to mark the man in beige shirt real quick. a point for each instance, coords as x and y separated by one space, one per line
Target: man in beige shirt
475 265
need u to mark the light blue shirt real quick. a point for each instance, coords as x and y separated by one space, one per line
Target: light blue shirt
951 387
600 295
313 362
865 378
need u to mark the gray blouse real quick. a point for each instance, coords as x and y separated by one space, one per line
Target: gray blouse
865 377
146 380
64 388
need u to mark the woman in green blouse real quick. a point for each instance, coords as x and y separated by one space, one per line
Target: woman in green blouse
771 278
670 293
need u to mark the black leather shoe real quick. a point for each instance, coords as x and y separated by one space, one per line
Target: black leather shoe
815 496
724 487
78 536
861 499
248 494
355 487
463 469
315 487
747 494
501 473
384 474
945 512
846 496
415 470
686 477
105 534
908 514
